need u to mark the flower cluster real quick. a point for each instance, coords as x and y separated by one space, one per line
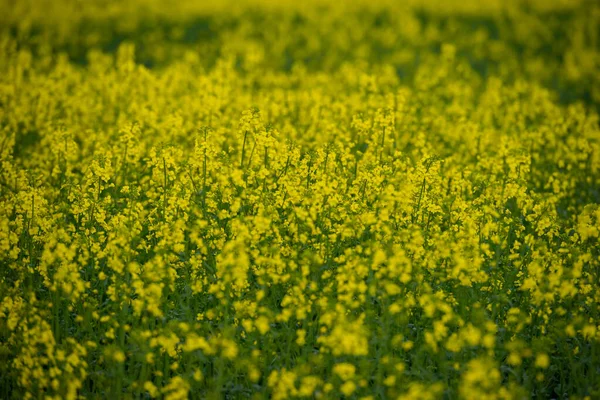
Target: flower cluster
299 199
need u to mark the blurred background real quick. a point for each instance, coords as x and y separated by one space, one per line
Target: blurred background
552 42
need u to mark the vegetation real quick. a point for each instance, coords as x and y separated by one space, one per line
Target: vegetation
299 199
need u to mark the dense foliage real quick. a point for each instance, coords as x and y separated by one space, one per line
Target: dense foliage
299 199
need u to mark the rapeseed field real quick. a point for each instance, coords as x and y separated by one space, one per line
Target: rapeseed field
299 199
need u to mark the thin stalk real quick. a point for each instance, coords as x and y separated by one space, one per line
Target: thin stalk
164 188
243 149
420 198
204 176
251 154
382 144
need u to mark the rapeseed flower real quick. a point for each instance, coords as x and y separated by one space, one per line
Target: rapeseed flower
364 199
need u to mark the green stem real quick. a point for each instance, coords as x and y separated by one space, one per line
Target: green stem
243 149
164 188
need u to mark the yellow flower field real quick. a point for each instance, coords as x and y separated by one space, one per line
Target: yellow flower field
299 199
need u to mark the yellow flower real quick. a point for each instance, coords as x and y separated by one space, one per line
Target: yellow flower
344 370
348 388
542 360
118 356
